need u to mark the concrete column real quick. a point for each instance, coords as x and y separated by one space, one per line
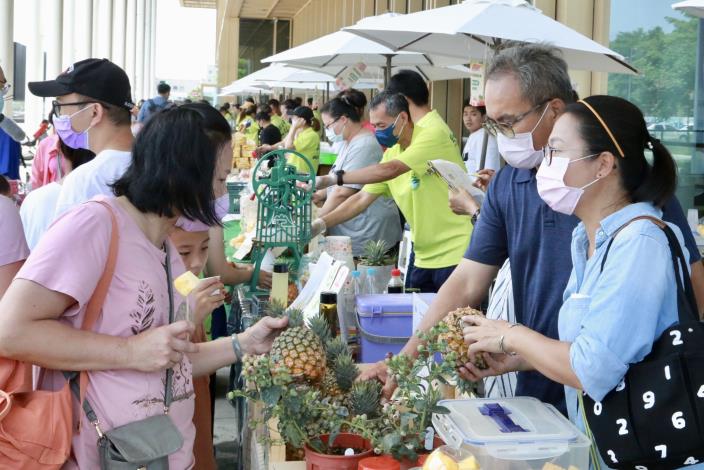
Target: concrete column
53 36
68 34
119 28
146 51
102 29
131 43
83 33
228 51
33 105
580 17
139 48
152 48
7 52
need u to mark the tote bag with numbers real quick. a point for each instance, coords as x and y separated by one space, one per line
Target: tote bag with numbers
654 419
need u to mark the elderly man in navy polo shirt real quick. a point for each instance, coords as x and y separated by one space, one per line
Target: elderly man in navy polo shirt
527 89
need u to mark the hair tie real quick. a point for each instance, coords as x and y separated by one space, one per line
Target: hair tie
650 143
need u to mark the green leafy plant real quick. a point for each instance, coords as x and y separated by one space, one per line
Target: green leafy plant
376 254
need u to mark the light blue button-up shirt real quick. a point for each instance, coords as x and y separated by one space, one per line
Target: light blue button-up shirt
613 317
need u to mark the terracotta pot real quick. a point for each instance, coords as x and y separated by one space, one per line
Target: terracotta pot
407 464
316 461
383 462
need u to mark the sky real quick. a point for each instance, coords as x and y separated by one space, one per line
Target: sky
185 41
629 15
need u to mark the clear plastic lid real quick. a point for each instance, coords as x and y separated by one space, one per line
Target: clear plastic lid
520 427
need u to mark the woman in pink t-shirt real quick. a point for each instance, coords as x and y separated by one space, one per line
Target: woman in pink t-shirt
13 247
178 158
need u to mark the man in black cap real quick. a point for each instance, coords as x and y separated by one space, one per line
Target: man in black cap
92 110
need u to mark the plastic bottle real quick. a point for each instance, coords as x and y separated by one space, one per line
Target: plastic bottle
395 285
371 281
357 284
279 284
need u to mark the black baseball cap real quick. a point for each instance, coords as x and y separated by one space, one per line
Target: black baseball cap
304 112
98 79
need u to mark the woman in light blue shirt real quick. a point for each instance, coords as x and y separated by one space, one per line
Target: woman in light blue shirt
595 168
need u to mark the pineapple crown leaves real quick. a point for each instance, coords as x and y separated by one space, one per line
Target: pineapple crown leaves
365 398
320 327
375 254
295 318
334 348
346 371
276 309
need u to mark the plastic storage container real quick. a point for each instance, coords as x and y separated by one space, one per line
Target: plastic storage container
385 324
518 433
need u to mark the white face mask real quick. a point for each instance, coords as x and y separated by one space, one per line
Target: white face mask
552 188
332 136
4 90
519 151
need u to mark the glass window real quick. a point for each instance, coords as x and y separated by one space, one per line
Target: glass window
257 42
662 44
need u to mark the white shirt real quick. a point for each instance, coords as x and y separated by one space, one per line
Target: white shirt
37 212
472 153
92 179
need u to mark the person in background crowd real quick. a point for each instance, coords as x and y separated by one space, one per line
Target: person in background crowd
298 100
473 117
38 208
415 134
174 174
225 111
13 247
91 111
359 100
42 132
276 117
49 164
359 149
595 168
527 89
246 123
10 151
269 134
287 111
301 138
156 104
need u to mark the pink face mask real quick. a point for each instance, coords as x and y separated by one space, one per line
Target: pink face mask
552 188
222 206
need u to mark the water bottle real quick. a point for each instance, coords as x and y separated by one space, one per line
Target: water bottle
395 284
371 281
357 283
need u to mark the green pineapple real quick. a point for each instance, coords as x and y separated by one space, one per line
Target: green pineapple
276 309
365 399
320 327
339 379
334 348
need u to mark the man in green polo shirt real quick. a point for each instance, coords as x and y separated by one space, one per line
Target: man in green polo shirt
440 237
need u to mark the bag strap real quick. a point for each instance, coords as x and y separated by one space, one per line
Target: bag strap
596 463
169 288
686 302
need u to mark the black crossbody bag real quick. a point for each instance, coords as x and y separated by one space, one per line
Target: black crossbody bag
654 419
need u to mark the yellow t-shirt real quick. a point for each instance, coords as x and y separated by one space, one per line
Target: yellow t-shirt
306 142
440 237
252 132
281 123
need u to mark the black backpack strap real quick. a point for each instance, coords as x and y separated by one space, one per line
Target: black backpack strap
686 303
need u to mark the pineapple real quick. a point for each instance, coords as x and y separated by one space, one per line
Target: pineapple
339 379
299 350
365 399
292 292
334 348
375 254
455 339
320 327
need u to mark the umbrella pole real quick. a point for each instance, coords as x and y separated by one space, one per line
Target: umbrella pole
387 70
327 90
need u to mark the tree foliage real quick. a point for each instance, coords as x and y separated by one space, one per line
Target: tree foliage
666 61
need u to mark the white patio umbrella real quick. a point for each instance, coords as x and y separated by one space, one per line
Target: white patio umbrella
334 52
471 30
693 7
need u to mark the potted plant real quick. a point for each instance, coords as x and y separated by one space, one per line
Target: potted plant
307 384
410 434
376 255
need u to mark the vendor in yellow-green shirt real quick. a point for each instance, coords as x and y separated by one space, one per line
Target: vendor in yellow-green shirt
302 138
276 118
247 125
414 134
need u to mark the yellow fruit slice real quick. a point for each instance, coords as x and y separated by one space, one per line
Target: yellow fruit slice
438 460
185 283
470 463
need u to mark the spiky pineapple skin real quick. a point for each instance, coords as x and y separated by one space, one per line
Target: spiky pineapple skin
300 351
455 339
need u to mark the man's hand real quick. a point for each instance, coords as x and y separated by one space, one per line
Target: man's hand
319 198
317 227
497 364
462 203
483 179
264 279
158 349
325 181
379 371
258 338
205 300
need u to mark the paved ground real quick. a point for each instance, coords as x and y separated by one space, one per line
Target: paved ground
224 434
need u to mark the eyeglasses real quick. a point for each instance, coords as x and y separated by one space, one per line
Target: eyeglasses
332 123
549 152
56 106
506 128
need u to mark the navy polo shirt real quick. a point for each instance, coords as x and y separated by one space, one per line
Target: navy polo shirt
516 224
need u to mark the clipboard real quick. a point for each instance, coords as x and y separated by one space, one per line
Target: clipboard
455 177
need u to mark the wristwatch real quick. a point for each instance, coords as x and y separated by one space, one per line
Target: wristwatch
475 216
339 174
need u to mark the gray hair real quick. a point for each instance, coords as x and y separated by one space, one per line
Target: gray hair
539 68
394 103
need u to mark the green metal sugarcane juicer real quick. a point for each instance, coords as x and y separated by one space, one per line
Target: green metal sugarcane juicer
284 210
